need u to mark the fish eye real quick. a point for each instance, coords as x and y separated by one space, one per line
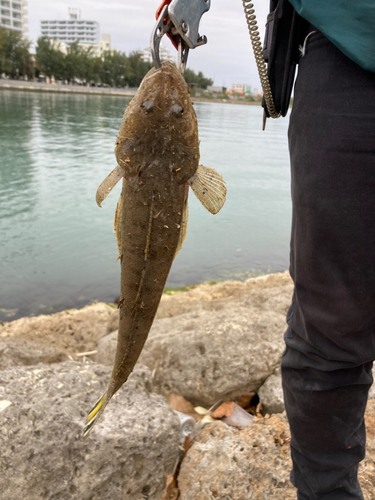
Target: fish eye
177 109
148 105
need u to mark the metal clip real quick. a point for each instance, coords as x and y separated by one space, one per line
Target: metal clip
186 16
179 19
183 52
163 26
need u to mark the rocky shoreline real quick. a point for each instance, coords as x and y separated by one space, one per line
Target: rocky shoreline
220 342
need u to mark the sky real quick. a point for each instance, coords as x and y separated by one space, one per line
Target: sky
226 59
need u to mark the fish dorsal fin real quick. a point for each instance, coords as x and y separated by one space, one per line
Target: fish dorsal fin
118 223
108 184
209 188
183 228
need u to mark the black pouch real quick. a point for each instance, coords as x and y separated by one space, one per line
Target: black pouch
285 30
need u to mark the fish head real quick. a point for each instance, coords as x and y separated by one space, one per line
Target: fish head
159 129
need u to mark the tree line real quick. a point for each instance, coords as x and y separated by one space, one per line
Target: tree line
80 64
15 58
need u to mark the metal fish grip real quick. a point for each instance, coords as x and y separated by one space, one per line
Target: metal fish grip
179 19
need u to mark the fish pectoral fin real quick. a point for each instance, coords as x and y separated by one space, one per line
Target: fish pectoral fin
117 224
94 414
209 188
183 228
108 184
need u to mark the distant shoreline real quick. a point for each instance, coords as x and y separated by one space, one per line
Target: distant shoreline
64 89
226 101
80 89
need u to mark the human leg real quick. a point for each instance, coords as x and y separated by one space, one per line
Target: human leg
326 368
325 410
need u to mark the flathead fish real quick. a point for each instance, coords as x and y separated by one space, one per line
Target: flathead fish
157 150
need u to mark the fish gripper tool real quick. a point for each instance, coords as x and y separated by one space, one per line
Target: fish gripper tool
179 20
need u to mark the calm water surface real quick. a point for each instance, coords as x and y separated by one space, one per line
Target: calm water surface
57 247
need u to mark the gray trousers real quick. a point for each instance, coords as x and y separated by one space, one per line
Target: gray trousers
330 342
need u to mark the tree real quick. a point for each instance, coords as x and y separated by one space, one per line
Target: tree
49 58
72 62
15 58
116 70
137 69
105 72
90 65
197 79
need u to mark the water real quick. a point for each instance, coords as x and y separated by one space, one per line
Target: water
57 247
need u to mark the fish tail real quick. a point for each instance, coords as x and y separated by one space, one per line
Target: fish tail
95 413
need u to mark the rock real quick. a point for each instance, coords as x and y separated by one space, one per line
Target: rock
128 454
18 352
106 349
371 394
275 288
73 331
79 330
229 464
207 356
229 346
271 394
276 299
254 463
113 324
272 292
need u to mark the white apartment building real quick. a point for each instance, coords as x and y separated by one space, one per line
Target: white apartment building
72 30
14 15
96 49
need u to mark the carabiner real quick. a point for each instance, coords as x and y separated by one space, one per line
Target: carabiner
179 19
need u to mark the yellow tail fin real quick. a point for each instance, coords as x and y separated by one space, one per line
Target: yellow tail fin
94 414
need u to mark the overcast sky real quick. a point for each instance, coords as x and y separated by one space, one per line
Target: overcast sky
227 58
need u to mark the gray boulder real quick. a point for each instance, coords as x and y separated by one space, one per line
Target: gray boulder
271 394
42 412
18 352
106 349
210 355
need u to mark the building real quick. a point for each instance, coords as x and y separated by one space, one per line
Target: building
240 89
165 55
97 49
14 15
103 46
257 93
72 30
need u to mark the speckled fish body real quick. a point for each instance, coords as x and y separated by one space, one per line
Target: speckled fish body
157 150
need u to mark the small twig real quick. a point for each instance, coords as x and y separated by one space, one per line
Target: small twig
80 354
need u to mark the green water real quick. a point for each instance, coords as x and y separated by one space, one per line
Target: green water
57 247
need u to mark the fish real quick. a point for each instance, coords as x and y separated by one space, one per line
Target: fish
157 153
